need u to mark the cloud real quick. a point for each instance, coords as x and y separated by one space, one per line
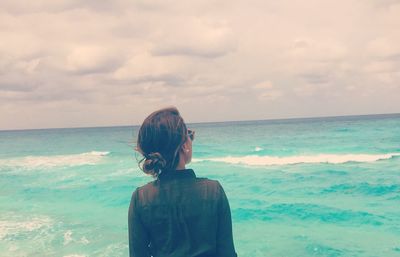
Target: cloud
316 78
384 48
263 85
265 91
86 59
195 37
144 65
64 61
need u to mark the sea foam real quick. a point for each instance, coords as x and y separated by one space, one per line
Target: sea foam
14 227
253 160
68 238
32 162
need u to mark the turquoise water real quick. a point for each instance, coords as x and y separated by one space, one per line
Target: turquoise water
301 187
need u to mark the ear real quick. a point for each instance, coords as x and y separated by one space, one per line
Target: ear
185 147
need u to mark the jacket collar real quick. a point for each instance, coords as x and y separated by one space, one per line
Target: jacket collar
177 174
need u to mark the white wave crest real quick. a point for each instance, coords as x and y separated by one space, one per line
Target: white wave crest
68 238
253 160
257 149
14 227
32 162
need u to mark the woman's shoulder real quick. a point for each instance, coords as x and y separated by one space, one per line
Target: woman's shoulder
211 182
152 188
146 187
146 193
211 185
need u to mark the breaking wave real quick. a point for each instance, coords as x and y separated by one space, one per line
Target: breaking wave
16 227
32 162
253 160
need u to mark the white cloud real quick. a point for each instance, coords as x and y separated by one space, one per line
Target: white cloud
195 37
263 85
64 61
91 59
270 95
384 47
145 65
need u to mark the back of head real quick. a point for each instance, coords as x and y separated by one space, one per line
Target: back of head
159 140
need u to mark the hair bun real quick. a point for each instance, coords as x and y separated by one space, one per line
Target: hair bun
154 163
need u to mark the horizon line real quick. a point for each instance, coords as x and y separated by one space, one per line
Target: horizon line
209 122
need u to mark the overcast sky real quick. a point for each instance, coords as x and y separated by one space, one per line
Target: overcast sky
102 63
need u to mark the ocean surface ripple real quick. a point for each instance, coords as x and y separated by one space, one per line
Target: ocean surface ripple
303 187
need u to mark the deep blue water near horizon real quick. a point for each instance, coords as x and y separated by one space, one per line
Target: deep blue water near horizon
298 187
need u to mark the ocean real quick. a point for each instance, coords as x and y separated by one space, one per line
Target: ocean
297 187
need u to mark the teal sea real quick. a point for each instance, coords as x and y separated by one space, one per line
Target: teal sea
299 187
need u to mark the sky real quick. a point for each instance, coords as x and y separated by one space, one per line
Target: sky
86 63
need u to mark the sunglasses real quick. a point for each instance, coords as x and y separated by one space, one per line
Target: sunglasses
190 134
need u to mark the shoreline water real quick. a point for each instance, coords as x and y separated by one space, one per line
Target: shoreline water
66 192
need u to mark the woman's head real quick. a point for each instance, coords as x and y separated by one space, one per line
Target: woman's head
162 140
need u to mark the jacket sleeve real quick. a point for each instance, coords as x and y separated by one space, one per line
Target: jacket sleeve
138 236
225 246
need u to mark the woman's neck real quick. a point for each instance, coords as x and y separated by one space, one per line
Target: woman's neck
182 163
180 167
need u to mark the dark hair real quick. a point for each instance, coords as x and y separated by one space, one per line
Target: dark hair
159 140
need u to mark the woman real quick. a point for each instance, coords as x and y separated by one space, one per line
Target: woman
177 214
